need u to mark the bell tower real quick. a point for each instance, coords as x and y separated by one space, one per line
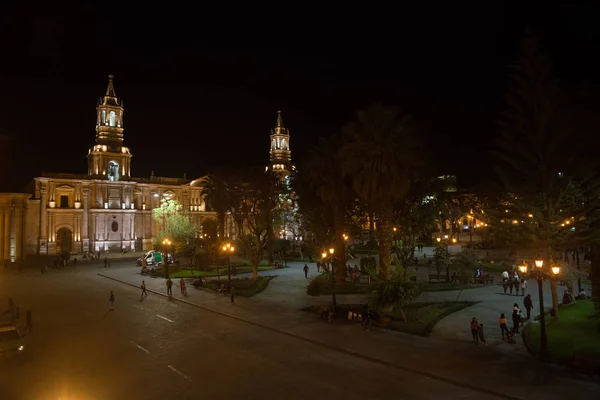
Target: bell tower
280 153
109 159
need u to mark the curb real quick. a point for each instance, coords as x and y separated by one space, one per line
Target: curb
330 347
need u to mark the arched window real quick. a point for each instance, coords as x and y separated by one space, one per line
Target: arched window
273 145
284 144
103 117
113 171
278 144
113 119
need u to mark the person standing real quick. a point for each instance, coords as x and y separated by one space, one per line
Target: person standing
481 335
305 270
144 293
182 287
523 286
503 325
111 300
169 287
516 318
528 305
105 262
232 293
475 330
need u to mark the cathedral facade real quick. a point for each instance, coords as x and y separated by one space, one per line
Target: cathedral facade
106 209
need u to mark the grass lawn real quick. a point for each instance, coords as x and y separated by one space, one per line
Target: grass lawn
321 285
421 317
192 273
573 332
244 287
444 286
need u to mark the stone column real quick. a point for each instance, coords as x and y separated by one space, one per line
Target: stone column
7 233
18 232
43 216
1 234
86 211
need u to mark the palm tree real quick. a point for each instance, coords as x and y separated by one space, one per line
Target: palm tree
215 189
381 155
323 175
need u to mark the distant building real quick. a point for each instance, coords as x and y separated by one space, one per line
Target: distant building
105 209
280 154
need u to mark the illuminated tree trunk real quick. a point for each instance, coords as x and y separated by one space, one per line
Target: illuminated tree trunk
339 245
385 235
554 290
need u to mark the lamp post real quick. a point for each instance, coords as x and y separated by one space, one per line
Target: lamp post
228 249
166 243
439 240
540 275
324 255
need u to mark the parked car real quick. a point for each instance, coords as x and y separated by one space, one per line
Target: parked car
12 341
149 256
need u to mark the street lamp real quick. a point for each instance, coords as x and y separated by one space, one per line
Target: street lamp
228 249
539 275
324 255
166 243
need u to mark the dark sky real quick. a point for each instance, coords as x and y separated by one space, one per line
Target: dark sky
202 87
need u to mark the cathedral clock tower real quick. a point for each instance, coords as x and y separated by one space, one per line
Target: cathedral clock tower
109 159
280 153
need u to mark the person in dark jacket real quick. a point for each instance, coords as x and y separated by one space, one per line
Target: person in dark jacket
516 318
528 305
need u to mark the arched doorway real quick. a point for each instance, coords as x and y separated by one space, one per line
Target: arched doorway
64 241
209 229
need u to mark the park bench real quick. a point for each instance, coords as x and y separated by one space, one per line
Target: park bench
586 363
485 279
437 277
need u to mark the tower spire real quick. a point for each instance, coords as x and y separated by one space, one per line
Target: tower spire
279 123
110 97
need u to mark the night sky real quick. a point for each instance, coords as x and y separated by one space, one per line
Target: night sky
201 88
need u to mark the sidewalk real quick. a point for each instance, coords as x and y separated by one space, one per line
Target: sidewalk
458 362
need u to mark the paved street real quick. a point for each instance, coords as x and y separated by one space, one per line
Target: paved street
167 349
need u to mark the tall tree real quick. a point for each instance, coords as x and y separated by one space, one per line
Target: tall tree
537 153
381 156
216 192
323 174
257 196
175 224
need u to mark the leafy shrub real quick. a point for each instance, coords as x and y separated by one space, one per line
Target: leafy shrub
368 266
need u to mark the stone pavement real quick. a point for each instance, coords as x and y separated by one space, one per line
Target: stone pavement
490 368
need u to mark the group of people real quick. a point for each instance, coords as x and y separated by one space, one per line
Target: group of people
518 319
515 282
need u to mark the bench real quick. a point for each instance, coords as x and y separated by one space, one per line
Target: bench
586 363
485 279
437 277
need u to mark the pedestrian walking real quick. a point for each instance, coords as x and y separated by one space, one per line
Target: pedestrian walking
144 293
169 286
182 287
475 330
503 327
481 335
232 293
511 284
29 322
111 300
523 286
305 270
528 305
105 262
516 318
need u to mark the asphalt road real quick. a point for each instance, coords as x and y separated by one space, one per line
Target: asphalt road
160 349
